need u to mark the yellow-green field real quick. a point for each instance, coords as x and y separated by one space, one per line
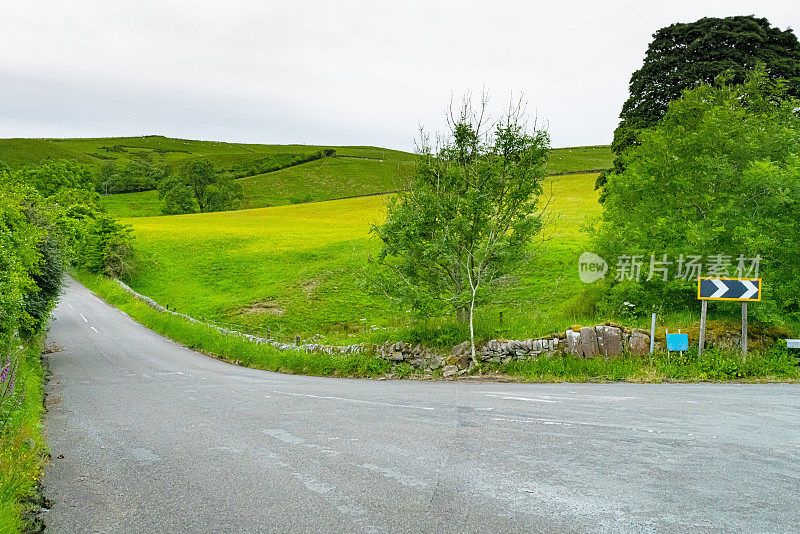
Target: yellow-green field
296 269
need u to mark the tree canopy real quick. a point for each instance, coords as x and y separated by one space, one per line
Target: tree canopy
685 55
198 187
468 216
717 177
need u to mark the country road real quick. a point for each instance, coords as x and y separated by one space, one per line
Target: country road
158 438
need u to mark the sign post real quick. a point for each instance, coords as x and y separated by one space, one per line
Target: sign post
744 328
703 311
652 333
743 290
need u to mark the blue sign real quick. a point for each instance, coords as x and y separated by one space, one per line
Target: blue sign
678 342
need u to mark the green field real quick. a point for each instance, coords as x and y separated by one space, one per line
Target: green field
295 270
580 158
357 170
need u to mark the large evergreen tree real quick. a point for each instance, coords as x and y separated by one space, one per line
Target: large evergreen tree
685 55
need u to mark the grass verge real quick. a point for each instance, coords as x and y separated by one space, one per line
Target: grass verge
776 364
233 348
22 447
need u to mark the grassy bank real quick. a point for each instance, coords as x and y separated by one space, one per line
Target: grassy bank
715 365
233 348
22 447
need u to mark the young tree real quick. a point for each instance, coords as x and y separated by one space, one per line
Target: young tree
683 56
469 214
718 175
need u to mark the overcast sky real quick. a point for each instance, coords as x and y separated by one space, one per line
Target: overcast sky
330 73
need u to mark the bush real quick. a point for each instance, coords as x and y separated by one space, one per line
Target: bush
106 247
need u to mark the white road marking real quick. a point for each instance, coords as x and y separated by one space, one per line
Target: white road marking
543 398
528 399
84 318
358 401
543 421
95 329
70 305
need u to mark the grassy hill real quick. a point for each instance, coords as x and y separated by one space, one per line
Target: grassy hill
356 170
296 269
161 150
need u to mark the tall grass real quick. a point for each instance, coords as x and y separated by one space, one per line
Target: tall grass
776 364
22 447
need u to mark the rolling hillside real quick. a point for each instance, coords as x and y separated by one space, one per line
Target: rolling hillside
297 269
355 171
161 150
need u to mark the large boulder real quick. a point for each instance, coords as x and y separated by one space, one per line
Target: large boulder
639 344
589 347
460 355
573 339
609 339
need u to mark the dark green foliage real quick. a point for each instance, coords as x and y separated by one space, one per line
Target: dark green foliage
683 56
39 302
19 259
105 247
719 174
136 175
197 184
276 162
177 196
50 177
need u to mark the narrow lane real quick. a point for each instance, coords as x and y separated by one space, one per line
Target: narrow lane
158 438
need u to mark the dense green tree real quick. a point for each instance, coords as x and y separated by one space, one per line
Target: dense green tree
52 176
468 216
178 197
19 259
685 55
136 175
719 174
197 187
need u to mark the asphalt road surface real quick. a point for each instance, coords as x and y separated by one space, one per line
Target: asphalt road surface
158 438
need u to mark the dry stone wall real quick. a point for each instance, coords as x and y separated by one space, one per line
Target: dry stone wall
606 340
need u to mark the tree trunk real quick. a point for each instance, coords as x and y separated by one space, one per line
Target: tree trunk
472 327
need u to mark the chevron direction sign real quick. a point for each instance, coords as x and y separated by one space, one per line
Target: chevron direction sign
742 289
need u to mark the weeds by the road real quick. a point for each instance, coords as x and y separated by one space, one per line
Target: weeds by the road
22 447
715 364
231 347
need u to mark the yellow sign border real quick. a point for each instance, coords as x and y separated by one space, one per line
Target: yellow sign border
725 278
